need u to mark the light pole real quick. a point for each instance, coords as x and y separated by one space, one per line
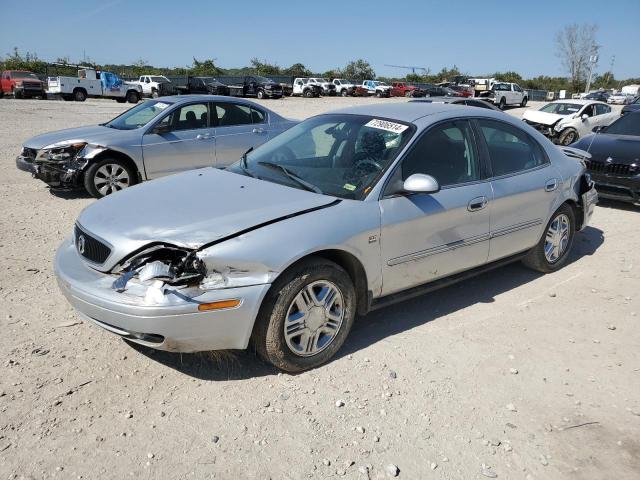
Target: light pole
593 59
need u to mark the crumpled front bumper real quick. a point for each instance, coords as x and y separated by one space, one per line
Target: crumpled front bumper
25 164
173 323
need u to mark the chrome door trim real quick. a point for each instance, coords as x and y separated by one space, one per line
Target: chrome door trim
448 247
516 227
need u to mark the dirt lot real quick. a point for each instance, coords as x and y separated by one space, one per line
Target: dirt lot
512 374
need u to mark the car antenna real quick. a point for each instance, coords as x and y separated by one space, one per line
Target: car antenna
592 139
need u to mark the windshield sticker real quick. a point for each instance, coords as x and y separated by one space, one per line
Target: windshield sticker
348 186
161 105
385 125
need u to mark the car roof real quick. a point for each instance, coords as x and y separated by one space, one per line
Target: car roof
412 111
577 101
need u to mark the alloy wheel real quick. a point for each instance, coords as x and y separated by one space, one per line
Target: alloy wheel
557 238
314 318
110 178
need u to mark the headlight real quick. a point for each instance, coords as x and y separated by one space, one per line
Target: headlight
60 153
558 126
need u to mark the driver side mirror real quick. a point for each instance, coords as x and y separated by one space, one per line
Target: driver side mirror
584 117
161 129
421 183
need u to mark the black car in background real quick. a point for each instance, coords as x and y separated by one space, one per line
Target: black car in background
599 96
615 158
256 86
202 85
634 106
439 91
471 102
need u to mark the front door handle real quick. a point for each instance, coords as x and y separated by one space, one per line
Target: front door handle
551 185
477 203
258 130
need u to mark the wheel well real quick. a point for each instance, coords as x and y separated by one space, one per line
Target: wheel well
122 157
577 212
81 89
353 267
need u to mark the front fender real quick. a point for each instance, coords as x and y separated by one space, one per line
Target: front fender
261 255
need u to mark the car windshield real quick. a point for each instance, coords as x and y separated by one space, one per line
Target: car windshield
336 154
625 125
139 115
561 108
159 79
263 80
23 75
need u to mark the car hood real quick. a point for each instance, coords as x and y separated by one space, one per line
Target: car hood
190 210
624 149
94 134
545 118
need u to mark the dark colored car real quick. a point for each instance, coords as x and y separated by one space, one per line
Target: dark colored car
438 91
634 106
615 158
599 96
256 86
471 102
21 84
203 85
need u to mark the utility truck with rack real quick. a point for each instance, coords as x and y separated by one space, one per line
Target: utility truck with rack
92 83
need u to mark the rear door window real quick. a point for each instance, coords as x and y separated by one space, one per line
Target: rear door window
510 149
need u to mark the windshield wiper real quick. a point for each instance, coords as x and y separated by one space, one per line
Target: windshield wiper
306 185
243 164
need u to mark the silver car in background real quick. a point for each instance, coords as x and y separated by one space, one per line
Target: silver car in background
341 214
153 139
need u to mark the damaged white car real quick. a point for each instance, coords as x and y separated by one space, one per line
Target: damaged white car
566 121
343 213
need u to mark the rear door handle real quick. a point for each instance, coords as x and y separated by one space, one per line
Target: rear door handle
551 185
203 136
258 130
477 203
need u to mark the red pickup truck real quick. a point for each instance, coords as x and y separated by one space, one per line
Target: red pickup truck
21 84
401 89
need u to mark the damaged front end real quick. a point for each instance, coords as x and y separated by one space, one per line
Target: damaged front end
161 268
60 166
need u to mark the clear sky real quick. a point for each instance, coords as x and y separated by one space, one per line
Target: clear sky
480 36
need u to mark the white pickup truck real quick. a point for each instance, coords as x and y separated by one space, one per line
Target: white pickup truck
377 88
151 84
344 87
303 88
503 94
90 83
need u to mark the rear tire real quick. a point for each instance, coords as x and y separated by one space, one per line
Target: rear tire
553 249
79 95
133 97
107 176
502 104
344 92
17 94
524 102
315 303
308 93
260 94
154 93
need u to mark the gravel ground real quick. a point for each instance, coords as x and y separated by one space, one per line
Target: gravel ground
512 374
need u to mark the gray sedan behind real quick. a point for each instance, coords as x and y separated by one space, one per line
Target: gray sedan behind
153 139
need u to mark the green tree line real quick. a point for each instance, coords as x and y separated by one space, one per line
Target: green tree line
356 69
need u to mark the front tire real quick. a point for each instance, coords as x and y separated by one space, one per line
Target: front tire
260 94
344 92
552 251
524 102
567 137
306 316
154 93
107 176
502 104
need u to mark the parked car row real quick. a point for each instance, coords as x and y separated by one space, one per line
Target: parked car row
611 140
339 215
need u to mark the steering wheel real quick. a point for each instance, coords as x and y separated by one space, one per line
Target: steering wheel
368 162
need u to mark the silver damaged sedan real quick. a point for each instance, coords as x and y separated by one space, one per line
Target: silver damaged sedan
153 139
339 215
